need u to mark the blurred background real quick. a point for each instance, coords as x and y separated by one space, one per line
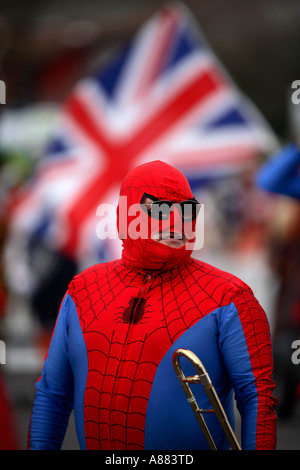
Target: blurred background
46 49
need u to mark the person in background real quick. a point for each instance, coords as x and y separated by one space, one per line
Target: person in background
281 175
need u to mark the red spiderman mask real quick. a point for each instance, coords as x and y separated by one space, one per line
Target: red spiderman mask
140 230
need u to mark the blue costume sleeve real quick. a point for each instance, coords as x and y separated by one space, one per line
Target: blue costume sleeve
238 365
245 345
281 174
54 396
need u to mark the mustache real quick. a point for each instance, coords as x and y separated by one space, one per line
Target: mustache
166 235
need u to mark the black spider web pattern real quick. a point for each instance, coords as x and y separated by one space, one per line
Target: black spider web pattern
130 410
120 375
98 288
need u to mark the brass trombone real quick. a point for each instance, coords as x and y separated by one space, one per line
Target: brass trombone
217 408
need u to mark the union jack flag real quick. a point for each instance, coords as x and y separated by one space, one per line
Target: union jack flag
164 96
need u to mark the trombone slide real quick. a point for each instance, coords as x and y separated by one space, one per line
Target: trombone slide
217 408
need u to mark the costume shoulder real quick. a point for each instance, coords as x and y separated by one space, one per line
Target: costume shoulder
221 285
96 274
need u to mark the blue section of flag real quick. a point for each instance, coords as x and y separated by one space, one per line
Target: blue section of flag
184 43
108 76
56 147
231 117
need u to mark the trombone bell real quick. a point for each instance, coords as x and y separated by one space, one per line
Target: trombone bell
217 408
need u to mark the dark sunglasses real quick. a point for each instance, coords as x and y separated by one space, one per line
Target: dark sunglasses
161 210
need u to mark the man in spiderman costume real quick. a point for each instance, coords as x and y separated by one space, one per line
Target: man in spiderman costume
110 357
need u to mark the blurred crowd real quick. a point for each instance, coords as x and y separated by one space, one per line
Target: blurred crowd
252 222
